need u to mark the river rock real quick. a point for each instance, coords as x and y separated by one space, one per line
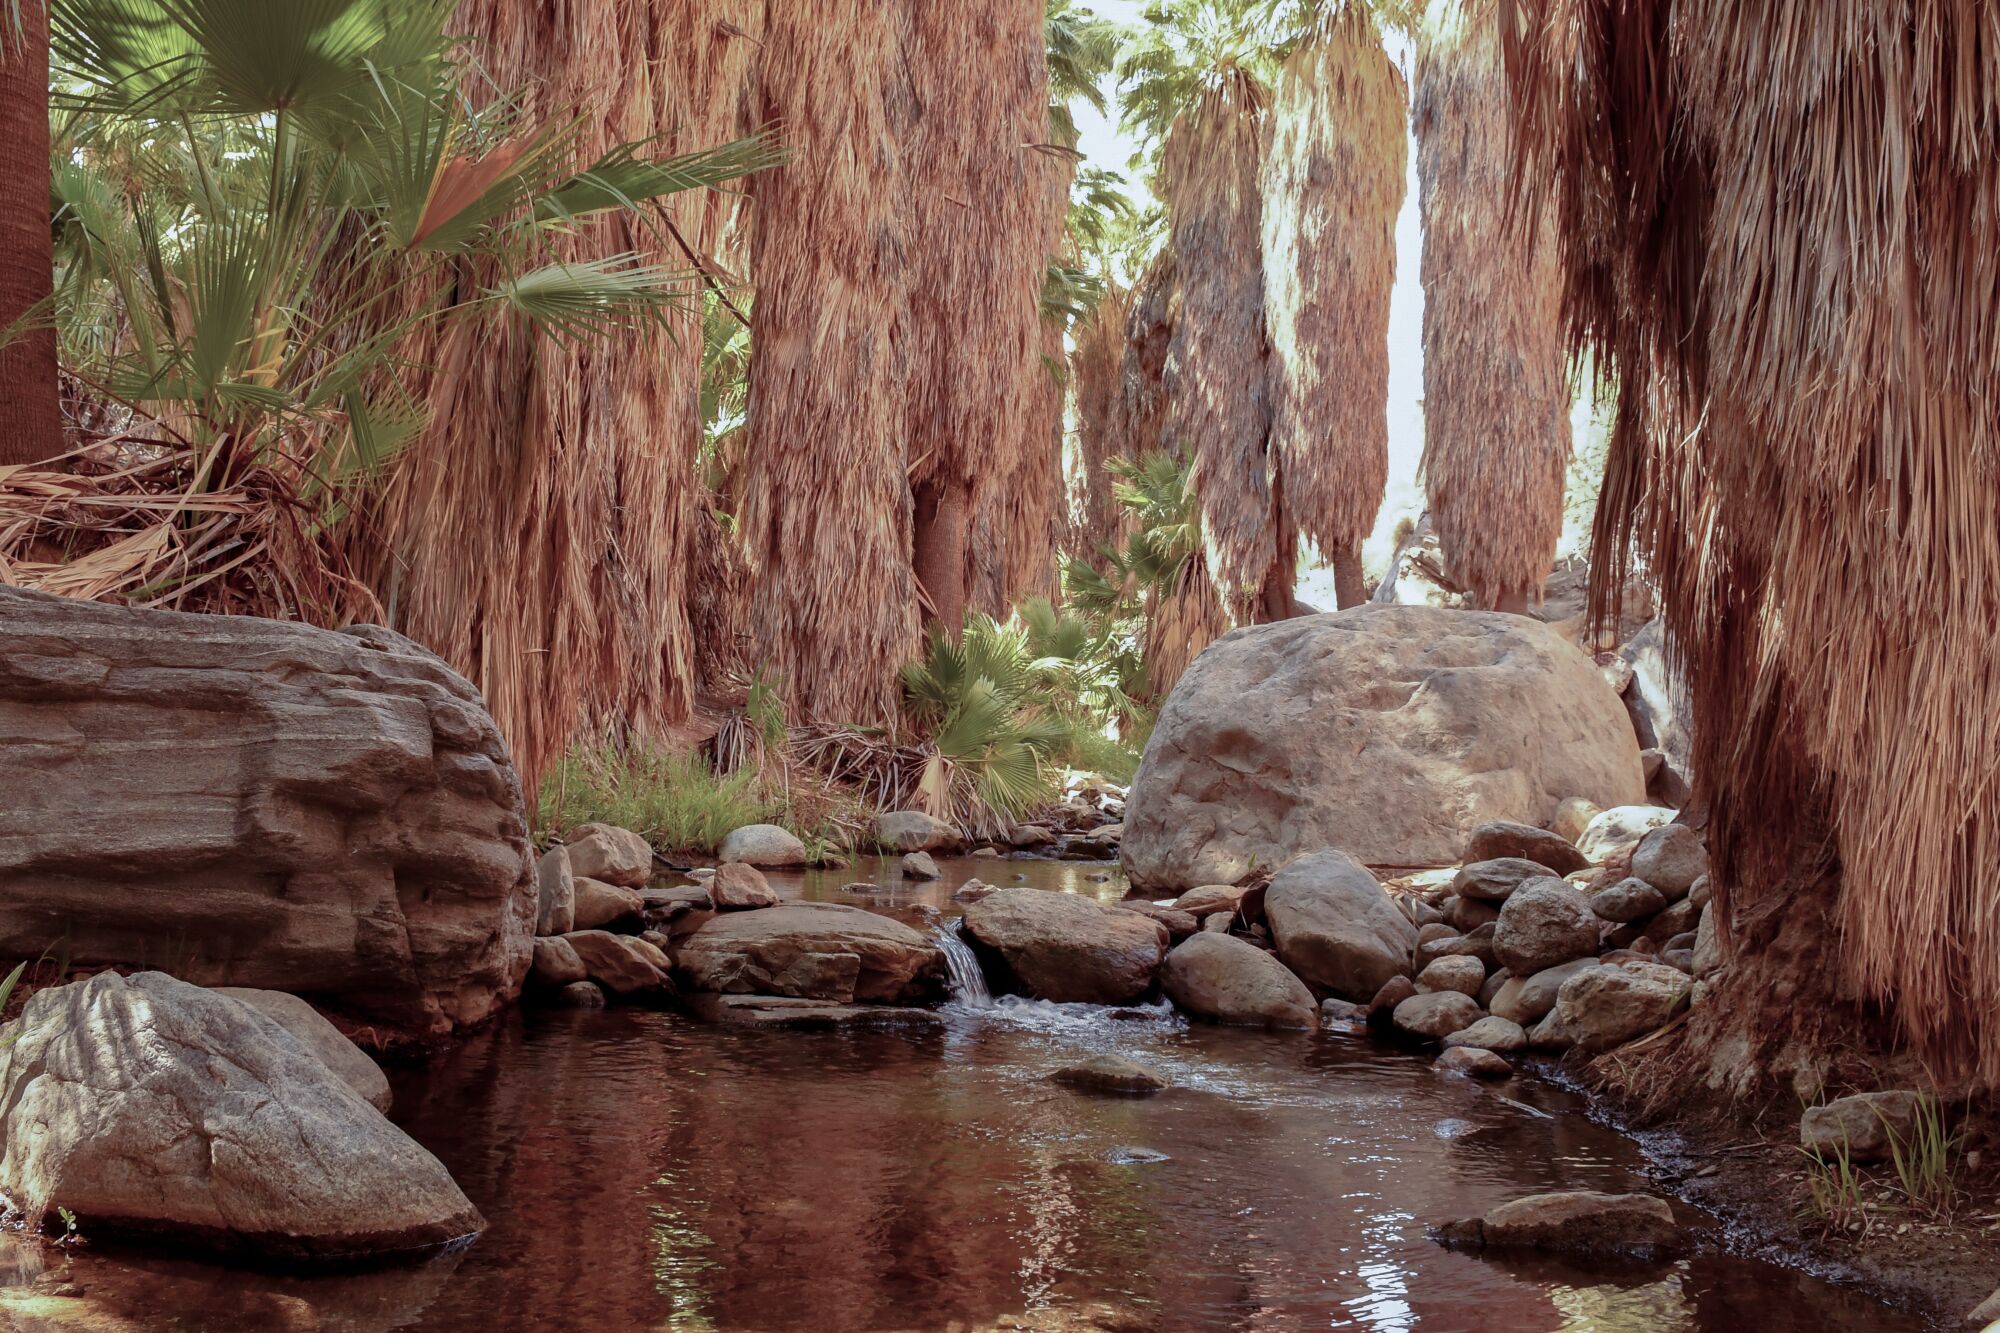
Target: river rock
1674 920
1491 1033
918 865
1671 859
1474 1062
1453 973
1027 837
320 1037
762 845
814 951
1503 839
326 813
1864 1123
1206 900
1544 922
1602 1007
1527 999
1617 831
1332 1012
1469 914
556 963
612 855
1707 958
146 1104
1630 899
1336 926
1394 991
622 964
1390 732
1228 980
1493 881
1179 925
578 995
1437 1015
1490 988
1110 1074
1058 946
1580 1222
598 905
555 889
1699 892
736 887
914 831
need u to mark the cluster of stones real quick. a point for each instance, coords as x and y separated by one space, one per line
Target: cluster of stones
724 945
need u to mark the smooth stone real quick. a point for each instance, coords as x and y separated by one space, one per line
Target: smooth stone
1671 859
738 887
599 905
1617 831
762 845
610 854
1603 1007
1628 900
1491 987
1503 838
1437 1015
1179 925
1206 900
1341 1011
919 865
1394 991
1543 923
1027 836
1062 947
1491 1033
1707 944
1456 973
1474 1062
1228 980
1493 881
1675 919
1573 816
1528 999
556 963
914 831
1579 1222
814 951
1336 926
578 995
1865 1122
1469 914
1700 891
622 964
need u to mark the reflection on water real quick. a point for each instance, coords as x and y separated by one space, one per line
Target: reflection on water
643 1172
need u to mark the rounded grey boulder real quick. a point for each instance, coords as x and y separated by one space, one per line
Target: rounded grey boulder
1543 923
1229 980
1336 927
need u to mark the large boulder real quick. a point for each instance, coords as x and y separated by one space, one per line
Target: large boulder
331 814
1390 732
813 951
1058 946
1229 980
555 884
1543 923
320 1037
1337 927
147 1104
625 965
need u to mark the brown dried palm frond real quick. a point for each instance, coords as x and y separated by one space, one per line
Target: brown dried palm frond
1095 366
1216 374
985 210
1333 184
1180 622
828 511
1139 411
1496 385
886 772
537 535
1785 255
132 519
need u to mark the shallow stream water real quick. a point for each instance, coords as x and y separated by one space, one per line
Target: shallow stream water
642 1171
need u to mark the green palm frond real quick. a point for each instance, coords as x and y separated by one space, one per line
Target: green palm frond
624 178
597 297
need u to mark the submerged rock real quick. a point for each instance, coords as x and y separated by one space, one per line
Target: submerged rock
333 814
762 845
918 865
1109 1073
1390 732
1229 980
143 1103
1058 946
1474 1062
1576 1222
816 951
611 854
1336 926
784 1011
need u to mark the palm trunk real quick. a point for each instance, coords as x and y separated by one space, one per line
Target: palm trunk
30 409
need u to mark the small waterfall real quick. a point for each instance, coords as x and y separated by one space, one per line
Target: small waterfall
968 981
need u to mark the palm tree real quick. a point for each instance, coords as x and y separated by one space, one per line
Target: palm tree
1496 391
1775 234
29 404
1333 184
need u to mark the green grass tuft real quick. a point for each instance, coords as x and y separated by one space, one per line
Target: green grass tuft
676 802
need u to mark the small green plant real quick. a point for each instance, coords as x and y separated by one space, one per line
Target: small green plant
1926 1163
676 802
1833 1190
